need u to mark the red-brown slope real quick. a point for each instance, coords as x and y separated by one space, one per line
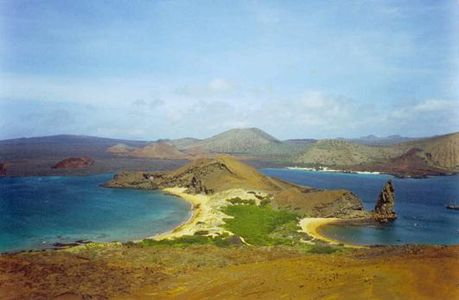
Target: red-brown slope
74 163
414 162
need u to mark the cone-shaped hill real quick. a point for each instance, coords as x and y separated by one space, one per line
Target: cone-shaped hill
214 175
234 141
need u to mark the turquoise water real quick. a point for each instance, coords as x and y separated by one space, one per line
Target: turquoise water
420 205
39 211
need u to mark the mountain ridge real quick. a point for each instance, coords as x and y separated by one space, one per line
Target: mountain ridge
434 155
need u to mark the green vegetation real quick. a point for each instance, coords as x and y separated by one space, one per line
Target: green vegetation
322 249
257 225
265 226
237 200
265 202
187 241
262 225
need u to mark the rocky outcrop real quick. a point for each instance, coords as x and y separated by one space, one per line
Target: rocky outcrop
345 205
321 203
131 180
384 210
74 163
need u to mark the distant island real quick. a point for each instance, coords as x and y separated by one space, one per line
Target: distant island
399 156
74 163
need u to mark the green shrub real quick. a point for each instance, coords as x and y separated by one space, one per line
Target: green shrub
188 240
265 202
238 200
256 224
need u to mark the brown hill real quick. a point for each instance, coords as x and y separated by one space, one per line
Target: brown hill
183 143
120 149
429 156
233 141
219 174
204 175
158 150
441 151
343 153
414 162
213 175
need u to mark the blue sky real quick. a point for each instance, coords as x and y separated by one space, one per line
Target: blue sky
167 69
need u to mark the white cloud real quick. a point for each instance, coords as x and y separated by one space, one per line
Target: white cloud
147 109
429 107
433 105
422 118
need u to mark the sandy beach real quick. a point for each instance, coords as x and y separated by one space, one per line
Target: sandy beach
205 215
186 227
311 225
206 212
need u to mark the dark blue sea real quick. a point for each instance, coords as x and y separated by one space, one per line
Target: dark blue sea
36 212
420 205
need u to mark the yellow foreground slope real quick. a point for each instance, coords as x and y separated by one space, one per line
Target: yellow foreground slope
429 273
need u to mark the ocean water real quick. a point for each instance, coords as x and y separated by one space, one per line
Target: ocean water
38 211
420 205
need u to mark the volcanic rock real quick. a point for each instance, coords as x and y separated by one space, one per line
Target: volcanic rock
74 163
384 209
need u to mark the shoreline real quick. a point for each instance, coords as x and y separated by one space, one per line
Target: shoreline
195 202
311 227
389 173
205 215
327 170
